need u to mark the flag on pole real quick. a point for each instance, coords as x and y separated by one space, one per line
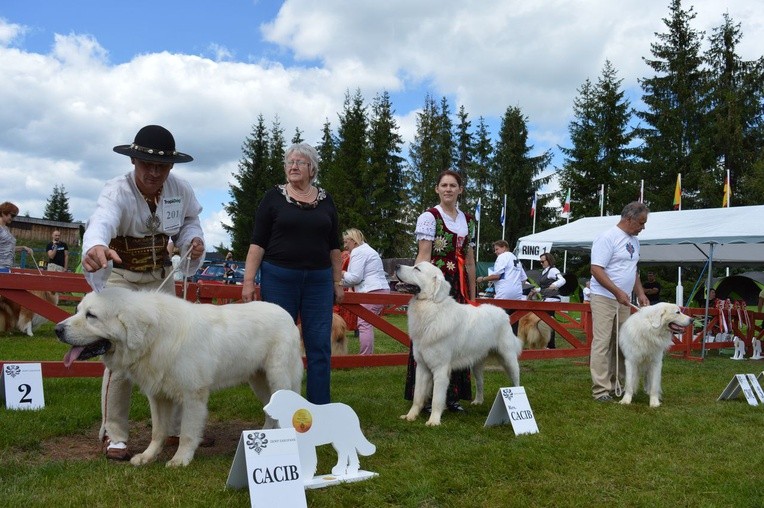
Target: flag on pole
678 193
477 211
501 218
727 192
533 206
566 206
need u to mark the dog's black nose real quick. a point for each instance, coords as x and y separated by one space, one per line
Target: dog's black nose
60 331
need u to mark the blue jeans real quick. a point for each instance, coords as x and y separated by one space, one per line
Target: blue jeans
309 295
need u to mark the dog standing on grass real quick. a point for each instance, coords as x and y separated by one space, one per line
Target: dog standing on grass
447 335
643 338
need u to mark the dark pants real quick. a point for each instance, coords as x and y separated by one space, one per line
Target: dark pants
309 295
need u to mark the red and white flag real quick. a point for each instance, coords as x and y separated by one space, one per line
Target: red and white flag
533 206
566 206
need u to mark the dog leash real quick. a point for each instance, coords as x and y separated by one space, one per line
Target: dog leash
185 257
35 264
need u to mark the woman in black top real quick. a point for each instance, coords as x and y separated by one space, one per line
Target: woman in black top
295 245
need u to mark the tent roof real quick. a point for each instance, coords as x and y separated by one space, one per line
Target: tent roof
686 236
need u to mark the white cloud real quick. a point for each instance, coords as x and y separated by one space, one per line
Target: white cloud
64 110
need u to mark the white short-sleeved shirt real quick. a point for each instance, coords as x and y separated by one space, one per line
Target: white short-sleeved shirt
425 226
510 284
618 253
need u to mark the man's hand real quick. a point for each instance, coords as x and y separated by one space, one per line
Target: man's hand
97 258
197 248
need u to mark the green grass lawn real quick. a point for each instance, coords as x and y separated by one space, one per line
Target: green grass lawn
692 451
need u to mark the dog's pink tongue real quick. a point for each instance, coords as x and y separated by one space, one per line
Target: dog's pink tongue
72 355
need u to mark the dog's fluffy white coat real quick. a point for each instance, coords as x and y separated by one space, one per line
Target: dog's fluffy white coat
179 352
643 339
447 335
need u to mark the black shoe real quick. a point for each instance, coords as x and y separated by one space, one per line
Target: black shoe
454 407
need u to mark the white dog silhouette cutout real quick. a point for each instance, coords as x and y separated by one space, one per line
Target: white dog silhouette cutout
315 425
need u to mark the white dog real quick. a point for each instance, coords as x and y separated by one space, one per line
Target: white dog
179 352
643 339
447 335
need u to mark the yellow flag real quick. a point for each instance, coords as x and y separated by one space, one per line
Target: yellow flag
726 198
678 193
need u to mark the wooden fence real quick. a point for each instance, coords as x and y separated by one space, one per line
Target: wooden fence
572 321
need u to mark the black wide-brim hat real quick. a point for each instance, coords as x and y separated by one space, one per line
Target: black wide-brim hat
154 143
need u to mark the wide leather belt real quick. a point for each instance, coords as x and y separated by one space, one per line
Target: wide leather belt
141 254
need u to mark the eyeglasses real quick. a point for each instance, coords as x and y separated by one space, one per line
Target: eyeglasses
300 164
543 260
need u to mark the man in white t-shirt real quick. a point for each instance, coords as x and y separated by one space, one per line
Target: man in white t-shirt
615 254
507 275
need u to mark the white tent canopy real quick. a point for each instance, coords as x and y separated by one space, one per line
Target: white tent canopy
678 237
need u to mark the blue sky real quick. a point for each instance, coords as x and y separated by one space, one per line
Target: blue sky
79 77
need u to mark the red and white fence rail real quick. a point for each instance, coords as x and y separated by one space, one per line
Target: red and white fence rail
571 321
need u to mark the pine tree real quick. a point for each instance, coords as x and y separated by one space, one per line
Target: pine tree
277 146
446 148
384 181
673 124
297 138
344 180
425 165
464 154
57 206
519 175
735 119
253 178
326 148
601 153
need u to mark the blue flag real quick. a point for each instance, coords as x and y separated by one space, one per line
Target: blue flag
477 211
501 219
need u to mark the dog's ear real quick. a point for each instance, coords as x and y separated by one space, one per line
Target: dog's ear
658 316
137 325
443 290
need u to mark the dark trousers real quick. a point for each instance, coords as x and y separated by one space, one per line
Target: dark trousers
309 296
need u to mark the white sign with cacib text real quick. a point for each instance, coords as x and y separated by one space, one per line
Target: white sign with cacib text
512 405
747 384
268 462
23 386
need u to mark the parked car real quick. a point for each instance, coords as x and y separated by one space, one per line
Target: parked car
217 272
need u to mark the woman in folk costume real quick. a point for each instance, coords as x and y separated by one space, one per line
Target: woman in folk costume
445 237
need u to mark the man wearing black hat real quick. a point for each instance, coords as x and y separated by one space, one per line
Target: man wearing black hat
127 236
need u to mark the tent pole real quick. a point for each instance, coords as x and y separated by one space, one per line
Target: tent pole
705 316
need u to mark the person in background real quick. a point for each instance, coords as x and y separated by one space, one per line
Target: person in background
761 301
652 288
230 268
615 254
58 254
587 291
507 276
8 247
296 246
550 281
445 237
712 301
135 217
365 274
